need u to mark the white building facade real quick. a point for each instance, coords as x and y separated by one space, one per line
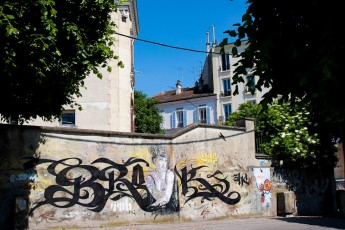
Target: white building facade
107 103
180 109
216 82
222 73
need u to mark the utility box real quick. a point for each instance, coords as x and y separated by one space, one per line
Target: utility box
285 203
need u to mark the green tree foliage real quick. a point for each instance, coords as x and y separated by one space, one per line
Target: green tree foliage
147 116
47 49
249 110
298 52
286 133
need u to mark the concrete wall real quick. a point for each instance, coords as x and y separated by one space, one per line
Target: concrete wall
69 178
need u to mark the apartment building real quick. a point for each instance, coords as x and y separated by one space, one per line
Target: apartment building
212 97
220 81
182 107
107 103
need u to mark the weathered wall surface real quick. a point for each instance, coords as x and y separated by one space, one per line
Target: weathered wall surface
74 178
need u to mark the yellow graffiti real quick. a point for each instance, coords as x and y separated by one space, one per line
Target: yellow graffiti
144 154
210 158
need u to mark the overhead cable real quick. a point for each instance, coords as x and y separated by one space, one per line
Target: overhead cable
165 45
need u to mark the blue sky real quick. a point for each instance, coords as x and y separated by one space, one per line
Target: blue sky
181 23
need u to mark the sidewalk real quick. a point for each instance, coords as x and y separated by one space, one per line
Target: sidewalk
257 223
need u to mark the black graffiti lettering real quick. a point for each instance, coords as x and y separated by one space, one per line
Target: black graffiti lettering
111 181
205 190
183 179
86 191
309 182
91 187
138 175
122 186
241 178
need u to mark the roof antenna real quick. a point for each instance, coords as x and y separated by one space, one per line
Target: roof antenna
181 73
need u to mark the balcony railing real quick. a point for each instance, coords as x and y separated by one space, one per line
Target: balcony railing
258 141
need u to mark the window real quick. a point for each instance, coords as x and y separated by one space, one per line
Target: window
202 115
179 115
225 62
179 118
252 101
68 118
124 12
226 87
250 83
227 110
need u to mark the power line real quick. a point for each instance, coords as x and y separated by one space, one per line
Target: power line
165 45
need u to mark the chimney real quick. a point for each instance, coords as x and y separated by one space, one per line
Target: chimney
214 43
178 87
208 42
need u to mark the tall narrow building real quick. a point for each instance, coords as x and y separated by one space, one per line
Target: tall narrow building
107 103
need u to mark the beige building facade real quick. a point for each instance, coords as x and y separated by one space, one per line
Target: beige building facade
221 82
107 103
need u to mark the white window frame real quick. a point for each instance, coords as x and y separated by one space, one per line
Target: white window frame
247 88
179 118
226 87
202 115
225 62
225 110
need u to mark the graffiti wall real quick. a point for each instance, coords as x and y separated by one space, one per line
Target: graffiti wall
313 189
54 177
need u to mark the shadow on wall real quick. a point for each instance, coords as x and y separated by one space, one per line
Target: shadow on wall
17 174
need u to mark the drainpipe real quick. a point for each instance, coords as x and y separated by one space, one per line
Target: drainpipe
219 90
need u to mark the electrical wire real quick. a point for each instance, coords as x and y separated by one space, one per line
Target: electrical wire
165 45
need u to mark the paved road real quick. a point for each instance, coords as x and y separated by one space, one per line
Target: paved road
254 223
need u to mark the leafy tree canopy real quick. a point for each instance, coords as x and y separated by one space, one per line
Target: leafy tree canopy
147 116
47 49
297 49
286 133
249 110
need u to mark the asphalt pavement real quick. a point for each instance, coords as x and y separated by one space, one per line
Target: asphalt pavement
257 223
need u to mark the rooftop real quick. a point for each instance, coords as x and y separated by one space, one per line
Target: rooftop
186 93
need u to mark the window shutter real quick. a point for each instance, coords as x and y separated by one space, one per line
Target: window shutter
184 118
208 115
195 116
173 120
161 112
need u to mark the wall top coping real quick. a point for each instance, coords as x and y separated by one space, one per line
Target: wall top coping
70 130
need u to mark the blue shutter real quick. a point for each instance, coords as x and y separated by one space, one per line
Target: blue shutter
208 115
184 118
161 112
173 120
195 116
